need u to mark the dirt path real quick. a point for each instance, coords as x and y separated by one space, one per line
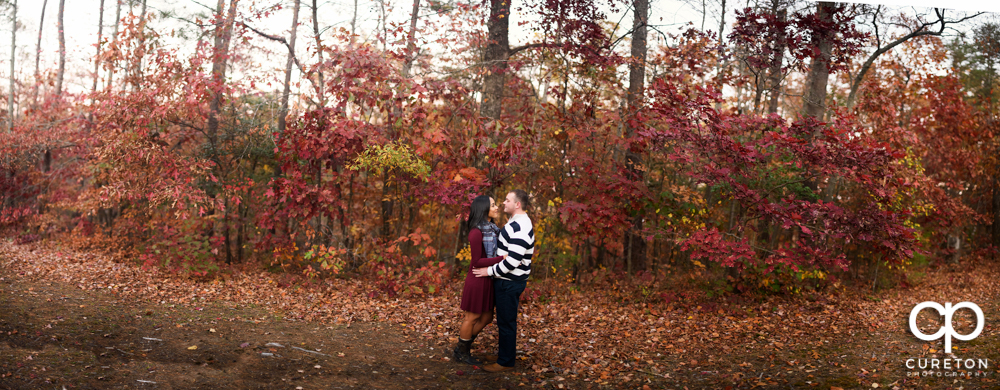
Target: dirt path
54 336
70 319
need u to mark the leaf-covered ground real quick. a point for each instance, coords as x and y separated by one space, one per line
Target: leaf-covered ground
81 320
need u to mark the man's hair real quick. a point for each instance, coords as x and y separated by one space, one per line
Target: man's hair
522 197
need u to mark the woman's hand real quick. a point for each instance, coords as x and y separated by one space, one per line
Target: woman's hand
481 272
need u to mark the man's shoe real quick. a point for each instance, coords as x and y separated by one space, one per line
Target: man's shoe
497 368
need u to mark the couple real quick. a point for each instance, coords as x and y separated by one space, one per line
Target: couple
498 273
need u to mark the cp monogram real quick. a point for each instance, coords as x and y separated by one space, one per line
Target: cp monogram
947 331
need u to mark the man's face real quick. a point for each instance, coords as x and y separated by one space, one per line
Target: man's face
510 204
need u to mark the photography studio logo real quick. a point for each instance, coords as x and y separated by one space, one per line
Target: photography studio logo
948 367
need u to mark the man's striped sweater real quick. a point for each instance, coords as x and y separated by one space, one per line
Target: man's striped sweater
517 242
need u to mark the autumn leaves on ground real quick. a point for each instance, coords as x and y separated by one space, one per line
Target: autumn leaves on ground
81 320
246 194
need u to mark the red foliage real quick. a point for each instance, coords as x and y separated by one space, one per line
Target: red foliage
762 164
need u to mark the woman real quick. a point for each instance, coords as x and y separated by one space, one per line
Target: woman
477 296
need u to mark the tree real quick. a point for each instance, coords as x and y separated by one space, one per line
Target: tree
97 57
320 87
819 68
920 28
137 73
38 52
220 56
13 51
635 243
976 62
288 68
495 59
62 49
114 39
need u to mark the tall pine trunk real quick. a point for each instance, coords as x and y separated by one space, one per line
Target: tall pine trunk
220 56
288 68
495 59
320 88
114 39
411 40
13 51
635 247
774 73
137 67
38 52
62 49
494 81
97 57
774 76
819 68
814 102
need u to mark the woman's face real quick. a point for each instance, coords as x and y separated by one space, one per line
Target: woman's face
494 209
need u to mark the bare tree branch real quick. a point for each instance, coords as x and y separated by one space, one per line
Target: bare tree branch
282 40
922 30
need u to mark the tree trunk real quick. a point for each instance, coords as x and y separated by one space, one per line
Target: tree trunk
137 67
38 52
494 81
819 69
996 211
814 103
387 205
635 245
774 74
320 86
97 60
220 55
723 63
354 21
62 49
288 68
758 82
114 39
411 44
497 51
722 21
13 51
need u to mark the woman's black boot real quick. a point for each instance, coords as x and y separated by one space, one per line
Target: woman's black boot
463 354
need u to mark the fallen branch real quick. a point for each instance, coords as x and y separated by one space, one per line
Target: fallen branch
306 350
653 373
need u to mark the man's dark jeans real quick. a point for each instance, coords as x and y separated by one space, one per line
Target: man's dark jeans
507 295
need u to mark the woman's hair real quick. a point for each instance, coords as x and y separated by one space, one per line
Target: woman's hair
479 212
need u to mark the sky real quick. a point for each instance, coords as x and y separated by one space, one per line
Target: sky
81 19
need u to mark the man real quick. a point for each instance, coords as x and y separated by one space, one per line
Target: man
510 276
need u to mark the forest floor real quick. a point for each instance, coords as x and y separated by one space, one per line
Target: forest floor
74 319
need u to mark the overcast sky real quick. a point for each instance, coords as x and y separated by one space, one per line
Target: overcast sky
81 18
82 21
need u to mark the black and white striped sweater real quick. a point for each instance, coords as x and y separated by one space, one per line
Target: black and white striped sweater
517 242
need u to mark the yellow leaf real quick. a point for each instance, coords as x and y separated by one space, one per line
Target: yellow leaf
193 347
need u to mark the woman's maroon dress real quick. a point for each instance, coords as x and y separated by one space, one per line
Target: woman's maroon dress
477 296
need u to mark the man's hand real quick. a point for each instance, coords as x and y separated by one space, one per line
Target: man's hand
481 272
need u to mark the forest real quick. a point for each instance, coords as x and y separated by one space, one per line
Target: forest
772 151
